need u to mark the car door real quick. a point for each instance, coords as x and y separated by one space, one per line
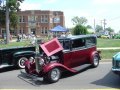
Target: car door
79 52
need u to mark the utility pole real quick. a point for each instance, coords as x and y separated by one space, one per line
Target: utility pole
104 24
7 23
94 25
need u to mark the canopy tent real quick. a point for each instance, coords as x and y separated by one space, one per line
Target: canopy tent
59 29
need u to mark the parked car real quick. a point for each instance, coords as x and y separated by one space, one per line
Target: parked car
63 54
105 36
15 56
116 63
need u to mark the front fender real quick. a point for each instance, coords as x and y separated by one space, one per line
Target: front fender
50 66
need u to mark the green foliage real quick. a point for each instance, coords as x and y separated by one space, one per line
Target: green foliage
89 27
79 20
2 17
98 28
15 44
80 30
109 29
13 6
14 19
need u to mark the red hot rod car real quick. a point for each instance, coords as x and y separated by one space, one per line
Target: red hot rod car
63 54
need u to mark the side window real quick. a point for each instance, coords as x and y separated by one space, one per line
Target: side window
65 44
91 41
61 42
78 43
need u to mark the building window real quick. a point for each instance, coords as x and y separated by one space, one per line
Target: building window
23 18
44 30
20 19
44 19
32 19
56 20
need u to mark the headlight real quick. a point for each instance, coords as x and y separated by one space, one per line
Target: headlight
41 61
31 59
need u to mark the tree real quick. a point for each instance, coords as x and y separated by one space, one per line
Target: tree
98 28
12 6
80 30
109 29
89 27
79 21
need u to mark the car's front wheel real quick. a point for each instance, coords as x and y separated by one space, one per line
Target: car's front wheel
53 75
21 62
95 61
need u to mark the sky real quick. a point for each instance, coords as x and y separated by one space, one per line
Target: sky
97 10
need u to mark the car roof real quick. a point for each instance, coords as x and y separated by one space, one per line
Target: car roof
76 37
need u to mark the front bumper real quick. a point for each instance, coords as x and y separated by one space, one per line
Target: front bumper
32 76
116 71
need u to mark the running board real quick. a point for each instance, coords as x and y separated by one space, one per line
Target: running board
81 67
5 65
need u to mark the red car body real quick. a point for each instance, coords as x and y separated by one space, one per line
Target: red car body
64 54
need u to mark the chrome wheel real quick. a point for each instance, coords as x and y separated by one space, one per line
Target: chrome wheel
53 75
95 61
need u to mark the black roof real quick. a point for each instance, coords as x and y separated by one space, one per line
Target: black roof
78 36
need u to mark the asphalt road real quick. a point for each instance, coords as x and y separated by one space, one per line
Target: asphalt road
90 78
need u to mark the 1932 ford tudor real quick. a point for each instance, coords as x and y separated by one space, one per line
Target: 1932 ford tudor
63 54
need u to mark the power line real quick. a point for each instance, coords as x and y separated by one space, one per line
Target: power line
114 18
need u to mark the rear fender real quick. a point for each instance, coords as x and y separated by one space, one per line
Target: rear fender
50 66
93 53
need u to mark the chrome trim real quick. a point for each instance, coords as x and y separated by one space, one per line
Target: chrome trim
113 69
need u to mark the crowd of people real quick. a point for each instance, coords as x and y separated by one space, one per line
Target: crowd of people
30 37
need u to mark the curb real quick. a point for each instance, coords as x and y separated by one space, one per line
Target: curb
106 60
108 48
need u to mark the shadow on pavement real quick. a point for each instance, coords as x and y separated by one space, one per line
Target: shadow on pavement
109 80
35 81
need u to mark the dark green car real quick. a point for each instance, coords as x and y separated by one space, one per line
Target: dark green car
15 56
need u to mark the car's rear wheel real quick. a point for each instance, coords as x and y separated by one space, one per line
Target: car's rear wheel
53 75
95 61
21 62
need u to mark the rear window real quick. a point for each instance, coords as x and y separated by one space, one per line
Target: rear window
91 41
78 43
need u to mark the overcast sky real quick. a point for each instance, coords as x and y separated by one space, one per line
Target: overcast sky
91 9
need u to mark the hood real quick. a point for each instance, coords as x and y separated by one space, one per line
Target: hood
51 47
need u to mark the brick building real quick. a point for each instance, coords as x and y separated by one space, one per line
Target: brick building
39 22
